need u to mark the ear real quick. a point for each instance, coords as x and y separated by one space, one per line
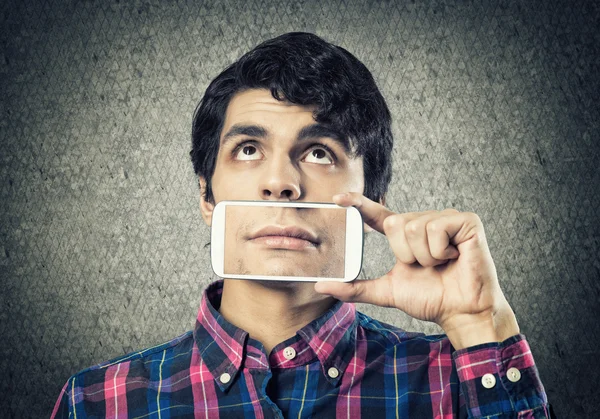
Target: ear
368 229
206 208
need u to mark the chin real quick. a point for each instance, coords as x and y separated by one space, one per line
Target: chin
280 285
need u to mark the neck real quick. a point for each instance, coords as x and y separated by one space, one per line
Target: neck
271 311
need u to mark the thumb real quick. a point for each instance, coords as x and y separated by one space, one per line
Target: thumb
451 253
345 291
358 291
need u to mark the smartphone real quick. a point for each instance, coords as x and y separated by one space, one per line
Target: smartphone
286 241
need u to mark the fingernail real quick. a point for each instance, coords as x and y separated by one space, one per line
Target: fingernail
340 196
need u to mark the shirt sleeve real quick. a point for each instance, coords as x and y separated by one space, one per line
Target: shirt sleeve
61 407
501 380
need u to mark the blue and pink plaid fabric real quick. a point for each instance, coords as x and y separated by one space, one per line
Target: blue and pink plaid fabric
343 365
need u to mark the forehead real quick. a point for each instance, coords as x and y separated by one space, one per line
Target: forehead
260 106
256 112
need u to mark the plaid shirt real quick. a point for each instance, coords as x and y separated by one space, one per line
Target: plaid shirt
342 365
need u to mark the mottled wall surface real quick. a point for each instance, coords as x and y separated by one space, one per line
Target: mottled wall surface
102 247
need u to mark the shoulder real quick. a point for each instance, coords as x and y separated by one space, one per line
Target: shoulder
136 369
138 362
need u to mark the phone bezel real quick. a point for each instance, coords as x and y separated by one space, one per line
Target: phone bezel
353 249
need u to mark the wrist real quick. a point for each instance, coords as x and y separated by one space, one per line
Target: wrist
471 330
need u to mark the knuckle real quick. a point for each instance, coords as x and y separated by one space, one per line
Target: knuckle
391 222
411 228
388 223
407 259
473 216
434 227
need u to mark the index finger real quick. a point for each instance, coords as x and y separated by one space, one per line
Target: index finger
372 212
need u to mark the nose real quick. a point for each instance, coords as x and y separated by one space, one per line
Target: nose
280 181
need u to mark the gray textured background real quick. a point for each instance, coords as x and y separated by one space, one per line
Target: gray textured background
102 247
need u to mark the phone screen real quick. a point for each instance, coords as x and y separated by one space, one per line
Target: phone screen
285 241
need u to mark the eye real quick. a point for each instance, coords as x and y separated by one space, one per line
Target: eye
320 155
246 151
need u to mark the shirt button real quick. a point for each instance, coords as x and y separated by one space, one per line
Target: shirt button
225 378
513 375
488 380
333 372
289 353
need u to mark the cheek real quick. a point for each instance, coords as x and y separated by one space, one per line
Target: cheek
227 184
350 178
356 176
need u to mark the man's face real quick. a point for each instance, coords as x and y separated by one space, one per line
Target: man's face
276 151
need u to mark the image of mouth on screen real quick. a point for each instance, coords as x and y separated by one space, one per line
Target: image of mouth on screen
285 241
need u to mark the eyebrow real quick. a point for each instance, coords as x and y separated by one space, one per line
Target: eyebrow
309 132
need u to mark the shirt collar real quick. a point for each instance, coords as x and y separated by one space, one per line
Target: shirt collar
223 346
332 337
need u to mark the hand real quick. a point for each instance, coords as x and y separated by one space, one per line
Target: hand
444 273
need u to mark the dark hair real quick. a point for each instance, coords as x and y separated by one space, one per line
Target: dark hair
305 70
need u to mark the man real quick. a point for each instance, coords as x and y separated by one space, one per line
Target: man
298 119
